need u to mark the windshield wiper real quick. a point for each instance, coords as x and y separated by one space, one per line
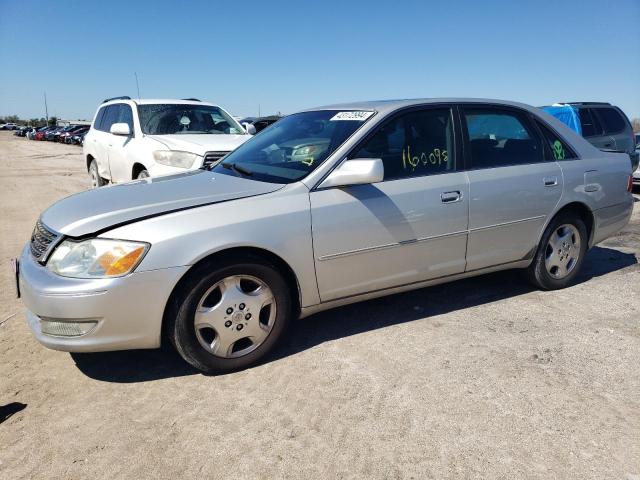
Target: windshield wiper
238 168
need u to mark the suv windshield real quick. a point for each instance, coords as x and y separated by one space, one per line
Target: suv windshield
175 119
291 148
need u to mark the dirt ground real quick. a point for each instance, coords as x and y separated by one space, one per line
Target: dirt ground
483 378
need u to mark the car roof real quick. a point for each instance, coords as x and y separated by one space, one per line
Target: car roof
385 106
155 101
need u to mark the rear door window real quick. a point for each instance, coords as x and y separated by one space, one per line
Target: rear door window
612 120
500 138
590 125
558 148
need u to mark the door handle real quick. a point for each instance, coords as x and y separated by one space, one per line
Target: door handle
551 181
451 197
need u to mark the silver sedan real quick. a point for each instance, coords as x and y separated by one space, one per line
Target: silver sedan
326 207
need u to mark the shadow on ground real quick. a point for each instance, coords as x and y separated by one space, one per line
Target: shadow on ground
147 365
11 409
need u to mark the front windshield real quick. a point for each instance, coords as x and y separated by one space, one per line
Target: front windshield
176 119
293 147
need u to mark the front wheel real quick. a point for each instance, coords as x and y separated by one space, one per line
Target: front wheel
227 318
142 174
560 253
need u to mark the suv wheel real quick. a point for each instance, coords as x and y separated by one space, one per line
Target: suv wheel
96 179
143 174
560 253
230 317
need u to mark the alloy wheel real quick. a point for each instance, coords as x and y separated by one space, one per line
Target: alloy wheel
235 316
563 251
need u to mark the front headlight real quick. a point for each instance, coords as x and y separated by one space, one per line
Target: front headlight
173 158
96 258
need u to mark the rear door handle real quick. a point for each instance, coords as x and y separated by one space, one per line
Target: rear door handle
551 181
451 197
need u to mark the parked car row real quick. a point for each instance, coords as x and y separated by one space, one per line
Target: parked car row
71 134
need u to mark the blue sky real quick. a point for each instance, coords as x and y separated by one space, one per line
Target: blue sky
285 56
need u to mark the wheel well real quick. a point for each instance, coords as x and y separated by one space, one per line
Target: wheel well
89 160
242 253
585 214
137 168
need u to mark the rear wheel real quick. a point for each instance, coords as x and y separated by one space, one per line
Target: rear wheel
229 317
94 174
560 253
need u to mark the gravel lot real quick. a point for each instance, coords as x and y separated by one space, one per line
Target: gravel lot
483 378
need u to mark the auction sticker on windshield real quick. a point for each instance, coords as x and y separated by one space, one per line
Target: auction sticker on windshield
361 116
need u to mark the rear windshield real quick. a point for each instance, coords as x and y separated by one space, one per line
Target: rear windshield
176 119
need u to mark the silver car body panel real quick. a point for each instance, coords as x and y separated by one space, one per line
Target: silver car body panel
342 244
94 210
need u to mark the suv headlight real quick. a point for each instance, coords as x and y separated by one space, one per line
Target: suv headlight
173 158
96 258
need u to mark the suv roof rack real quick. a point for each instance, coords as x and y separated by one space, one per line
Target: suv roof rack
116 98
586 103
192 99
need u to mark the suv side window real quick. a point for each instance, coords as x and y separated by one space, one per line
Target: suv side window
98 121
611 120
413 144
558 148
126 116
498 138
590 125
110 117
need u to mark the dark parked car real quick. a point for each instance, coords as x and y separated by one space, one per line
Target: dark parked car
70 132
603 125
42 134
69 138
50 135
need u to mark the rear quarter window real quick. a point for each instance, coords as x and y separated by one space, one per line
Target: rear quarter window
612 120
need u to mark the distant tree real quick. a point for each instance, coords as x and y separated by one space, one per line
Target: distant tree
53 121
636 125
12 119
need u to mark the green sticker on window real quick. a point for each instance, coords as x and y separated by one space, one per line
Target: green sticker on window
558 150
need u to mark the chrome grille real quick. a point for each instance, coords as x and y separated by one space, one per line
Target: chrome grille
211 158
42 240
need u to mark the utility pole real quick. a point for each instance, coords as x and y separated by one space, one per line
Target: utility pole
137 85
259 111
46 110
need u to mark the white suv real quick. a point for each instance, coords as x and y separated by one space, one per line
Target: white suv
132 139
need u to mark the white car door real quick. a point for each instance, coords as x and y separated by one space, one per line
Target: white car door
118 146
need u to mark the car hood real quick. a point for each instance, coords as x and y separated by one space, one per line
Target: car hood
201 143
96 210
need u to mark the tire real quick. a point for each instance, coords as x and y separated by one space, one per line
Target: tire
94 174
142 174
218 320
560 253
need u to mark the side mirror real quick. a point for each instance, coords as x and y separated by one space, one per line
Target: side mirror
120 129
251 130
355 172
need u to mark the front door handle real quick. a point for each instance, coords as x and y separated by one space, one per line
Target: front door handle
551 181
451 197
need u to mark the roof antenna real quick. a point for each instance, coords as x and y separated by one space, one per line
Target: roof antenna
137 86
